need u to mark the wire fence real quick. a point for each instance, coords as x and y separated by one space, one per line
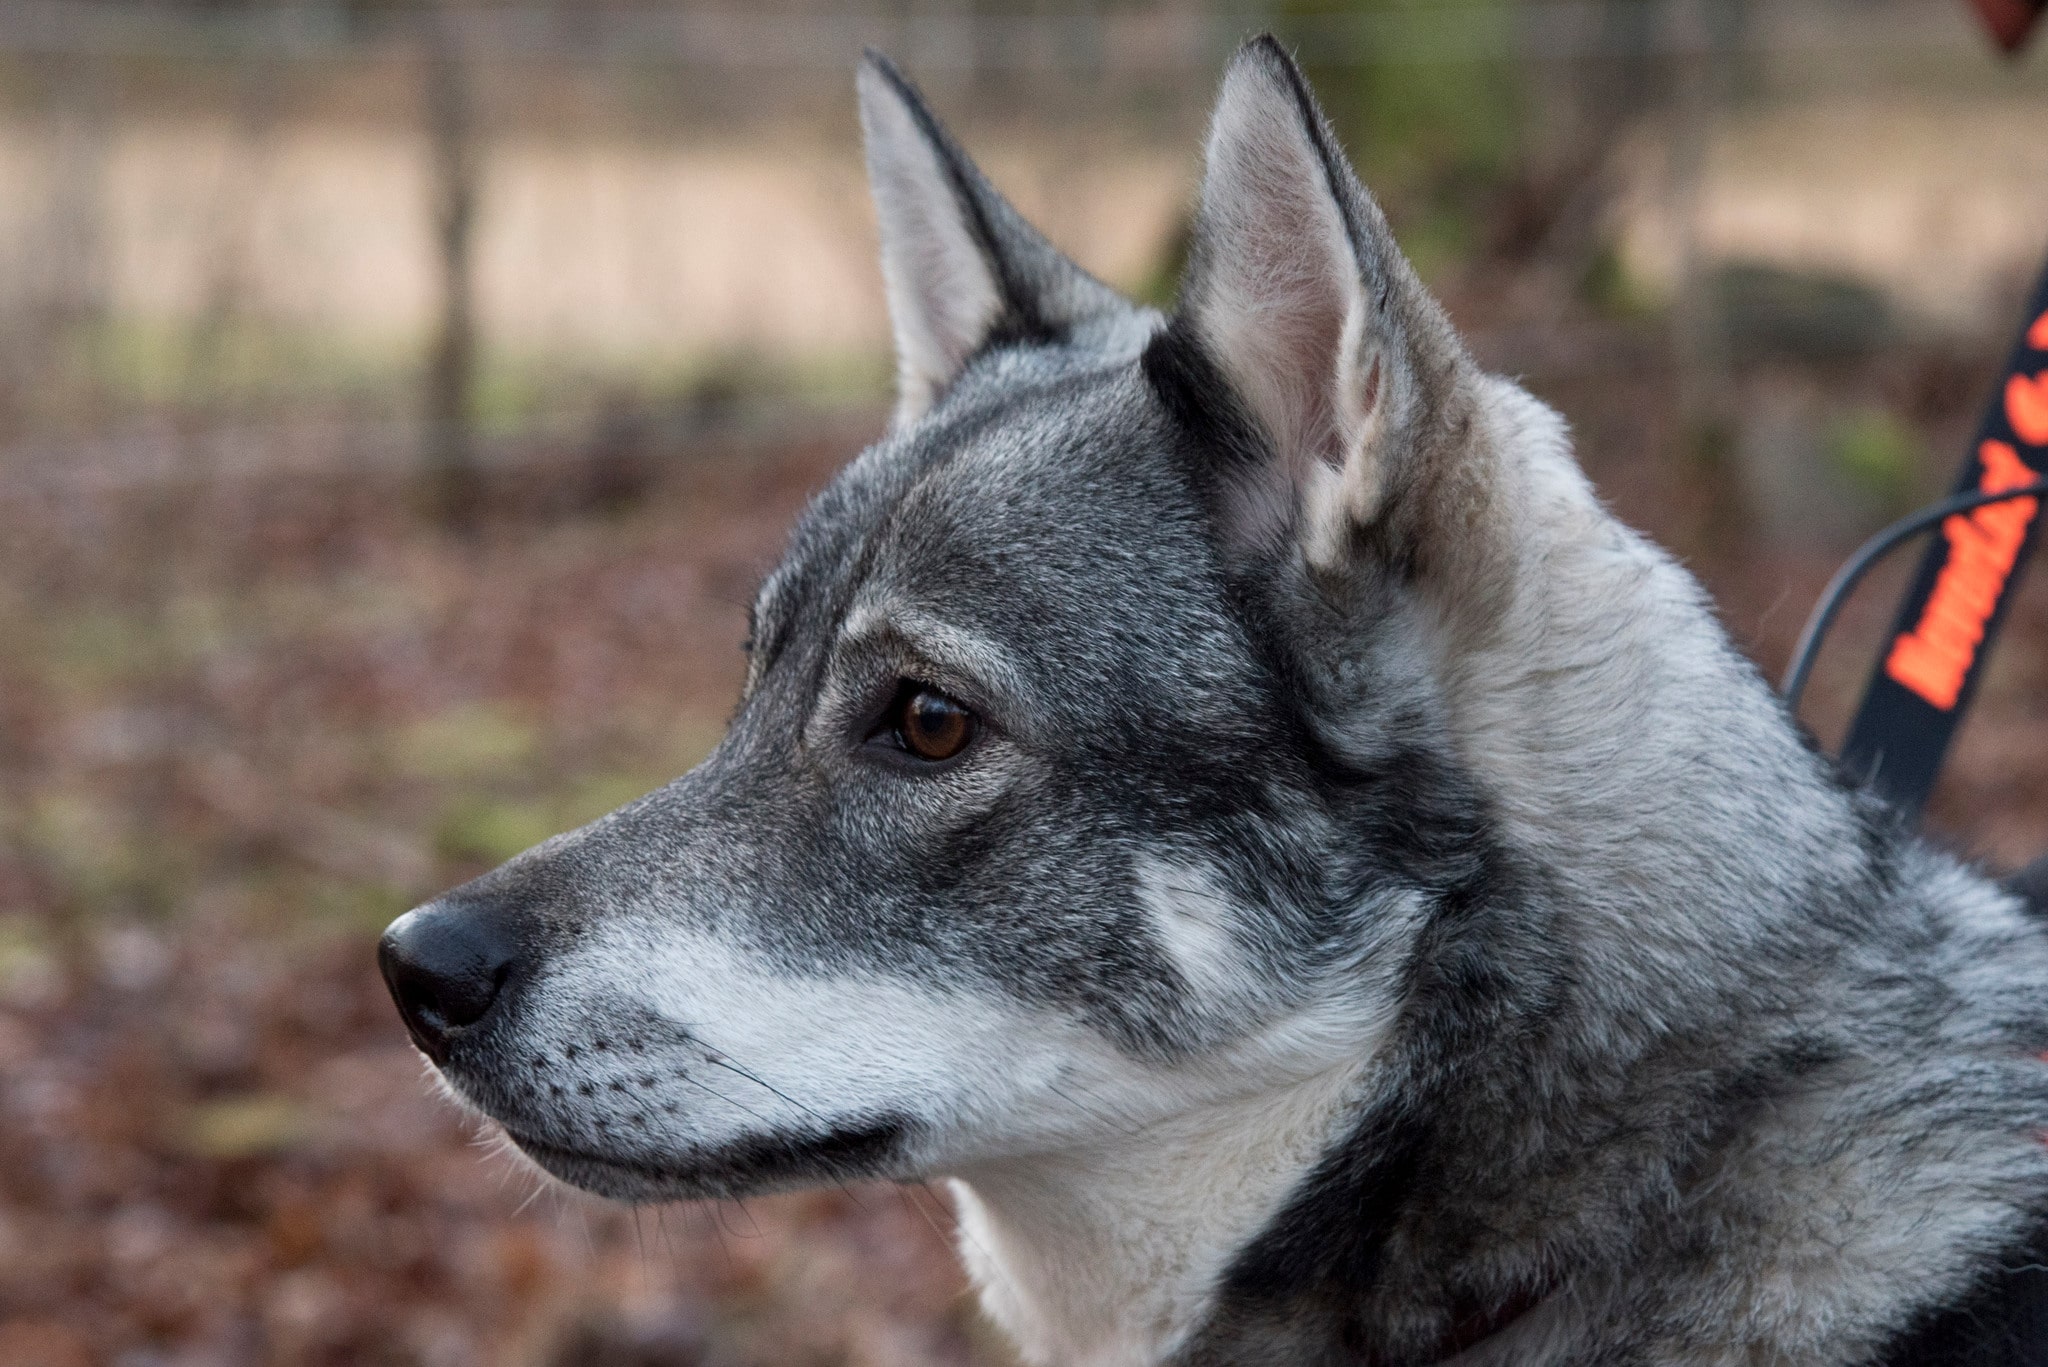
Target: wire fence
1175 38
461 230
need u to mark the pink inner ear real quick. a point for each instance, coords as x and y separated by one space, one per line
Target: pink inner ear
1274 287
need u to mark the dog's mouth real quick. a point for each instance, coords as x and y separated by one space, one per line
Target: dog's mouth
620 1179
875 1147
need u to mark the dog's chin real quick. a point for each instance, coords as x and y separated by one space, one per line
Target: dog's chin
601 1176
748 1166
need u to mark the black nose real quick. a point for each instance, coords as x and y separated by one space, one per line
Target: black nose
445 964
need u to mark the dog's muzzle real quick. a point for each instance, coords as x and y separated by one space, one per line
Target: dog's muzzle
447 964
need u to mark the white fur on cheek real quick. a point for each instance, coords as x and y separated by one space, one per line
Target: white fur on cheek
1079 1156
1193 919
980 1074
826 1051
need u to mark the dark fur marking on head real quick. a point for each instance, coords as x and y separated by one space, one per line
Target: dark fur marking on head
1195 394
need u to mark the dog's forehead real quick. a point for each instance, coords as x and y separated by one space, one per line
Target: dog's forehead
1065 491
1078 481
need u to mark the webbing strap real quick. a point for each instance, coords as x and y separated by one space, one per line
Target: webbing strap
1934 657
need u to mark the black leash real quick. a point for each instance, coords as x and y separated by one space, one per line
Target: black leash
1928 673
1856 566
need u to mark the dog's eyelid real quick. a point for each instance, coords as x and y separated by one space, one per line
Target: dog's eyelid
889 690
883 654
861 716
888 738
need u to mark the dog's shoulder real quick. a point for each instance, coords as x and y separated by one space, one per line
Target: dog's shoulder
2002 1321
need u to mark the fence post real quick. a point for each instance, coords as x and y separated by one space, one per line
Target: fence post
1708 34
454 480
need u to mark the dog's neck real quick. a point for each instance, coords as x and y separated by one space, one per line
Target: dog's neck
1621 740
1677 838
1116 1255
1108 1256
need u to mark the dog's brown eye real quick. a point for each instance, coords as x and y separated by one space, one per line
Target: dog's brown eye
931 725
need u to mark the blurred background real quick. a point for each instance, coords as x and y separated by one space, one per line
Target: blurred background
399 402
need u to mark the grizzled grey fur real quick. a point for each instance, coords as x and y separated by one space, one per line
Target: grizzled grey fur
1376 899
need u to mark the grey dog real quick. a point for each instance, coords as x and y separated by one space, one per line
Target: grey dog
1221 790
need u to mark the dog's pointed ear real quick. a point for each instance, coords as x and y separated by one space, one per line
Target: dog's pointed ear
961 267
1298 294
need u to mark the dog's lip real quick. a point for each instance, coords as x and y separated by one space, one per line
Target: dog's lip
595 1172
536 1147
753 1163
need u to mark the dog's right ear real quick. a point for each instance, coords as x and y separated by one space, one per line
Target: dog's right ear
1297 295
961 267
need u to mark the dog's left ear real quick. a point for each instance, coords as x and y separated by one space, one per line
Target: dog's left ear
1298 294
962 268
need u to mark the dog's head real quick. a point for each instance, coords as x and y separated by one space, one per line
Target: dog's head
1090 767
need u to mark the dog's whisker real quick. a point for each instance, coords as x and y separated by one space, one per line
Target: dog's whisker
531 1197
738 1206
1119 1125
736 1105
661 1228
950 1228
721 1061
